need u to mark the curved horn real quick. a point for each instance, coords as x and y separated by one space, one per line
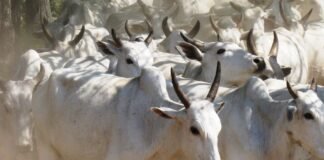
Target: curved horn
194 30
215 85
116 39
291 91
273 57
282 12
214 26
250 43
220 108
48 35
165 27
197 43
236 6
306 17
77 39
275 45
149 26
127 29
313 85
183 98
149 38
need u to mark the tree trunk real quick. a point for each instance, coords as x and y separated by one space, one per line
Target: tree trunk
17 14
34 10
7 37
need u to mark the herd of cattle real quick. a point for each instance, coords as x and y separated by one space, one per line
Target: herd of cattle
234 83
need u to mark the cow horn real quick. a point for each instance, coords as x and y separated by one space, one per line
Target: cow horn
149 38
149 26
306 17
313 85
215 85
77 39
117 41
127 29
236 7
197 43
275 45
214 26
48 35
273 57
183 98
194 30
220 108
250 42
282 12
291 91
165 27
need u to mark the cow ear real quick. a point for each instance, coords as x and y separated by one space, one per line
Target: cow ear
291 110
190 51
104 48
164 112
286 71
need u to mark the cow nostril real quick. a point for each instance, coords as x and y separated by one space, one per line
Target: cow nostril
257 60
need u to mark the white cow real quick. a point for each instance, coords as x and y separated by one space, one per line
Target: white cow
226 29
15 119
130 56
256 126
313 35
291 51
173 36
252 17
196 90
238 64
109 117
63 52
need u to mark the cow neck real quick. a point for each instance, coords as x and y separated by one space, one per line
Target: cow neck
294 142
278 145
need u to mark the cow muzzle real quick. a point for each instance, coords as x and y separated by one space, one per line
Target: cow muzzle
261 65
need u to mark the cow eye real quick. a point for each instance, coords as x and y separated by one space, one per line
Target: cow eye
221 51
138 39
194 131
308 116
129 61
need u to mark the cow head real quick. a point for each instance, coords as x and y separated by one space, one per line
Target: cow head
252 16
305 120
226 29
235 60
198 121
155 15
292 17
173 36
131 56
71 47
133 37
15 103
279 72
